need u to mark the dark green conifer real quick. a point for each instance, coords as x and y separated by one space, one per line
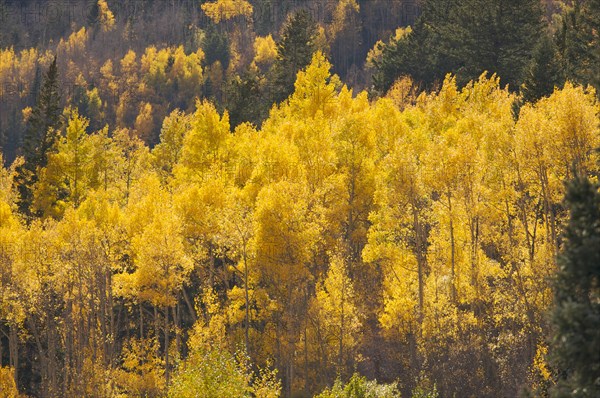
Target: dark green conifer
294 52
466 38
40 136
579 42
576 314
545 72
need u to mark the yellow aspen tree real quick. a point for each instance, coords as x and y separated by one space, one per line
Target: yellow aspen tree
554 140
265 52
102 171
337 317
144 122
212 369
73 49
201 178
236 226
84 270
314 90
341 15
223 10
162 269
398 237
13 309
8 385
556 136
245 153
276 159
133 161
161 265
107 18
354 144
199 208
205 147
42 290
65 179
105 216
142 370
127 85
168 152
284 237
449 163
186 76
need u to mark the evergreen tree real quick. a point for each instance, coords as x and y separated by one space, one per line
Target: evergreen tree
591 36
545 72
294 52
398 59
579 42
245 100
216 47
94 14
466 38
576 314
40 136
35 86
498 37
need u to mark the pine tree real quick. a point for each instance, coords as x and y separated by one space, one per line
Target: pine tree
498 37
245 100
35 86
40 136
466 38
399 59
592 39
545 72
576 314
294 52
579 42
216 47
94 14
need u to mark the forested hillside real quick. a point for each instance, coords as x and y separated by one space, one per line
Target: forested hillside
327 199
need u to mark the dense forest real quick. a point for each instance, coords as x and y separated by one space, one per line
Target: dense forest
318 198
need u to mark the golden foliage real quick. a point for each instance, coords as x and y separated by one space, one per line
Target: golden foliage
265 51
223 10
8 387
432 221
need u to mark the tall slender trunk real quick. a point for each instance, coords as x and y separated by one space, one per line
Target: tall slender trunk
212 266
305 361
550 219
13 351
247 303
452 252
69 339
102 316
167 373
177 319
420 247
474 229
42 357
189 304
113 326
141 321
342 325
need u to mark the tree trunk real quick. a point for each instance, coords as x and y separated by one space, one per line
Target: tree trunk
177 318
13 351
247 303
166 345
189 304
420 247
342 325
452 252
